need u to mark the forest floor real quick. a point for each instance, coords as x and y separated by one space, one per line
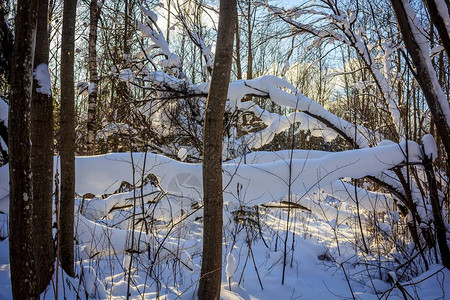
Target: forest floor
323 259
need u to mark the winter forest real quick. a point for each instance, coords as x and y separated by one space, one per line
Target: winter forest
224 149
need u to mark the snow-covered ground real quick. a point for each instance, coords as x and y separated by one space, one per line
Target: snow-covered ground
319 243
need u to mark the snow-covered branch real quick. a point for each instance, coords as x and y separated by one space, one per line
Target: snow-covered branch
341 27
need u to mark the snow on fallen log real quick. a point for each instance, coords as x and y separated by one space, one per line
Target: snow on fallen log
312 115
266 182
367 200
320 209
261 157
98 208
259 182
252 184
98 240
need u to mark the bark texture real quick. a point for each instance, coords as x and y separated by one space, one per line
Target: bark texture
422 74
93 76
425 80
249 49
438 220
439 23
42 156
21 254
210 280
67 137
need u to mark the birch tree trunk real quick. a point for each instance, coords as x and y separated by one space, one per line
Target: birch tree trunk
93 75
210 280
238 49
249 40
21 232
67 137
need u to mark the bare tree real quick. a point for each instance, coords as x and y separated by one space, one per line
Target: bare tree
425 75
250 22
42 151
21 251
67 137
94 9
212 154
437 10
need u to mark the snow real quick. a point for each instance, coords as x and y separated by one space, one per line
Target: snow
182 153
98 208
231 266
126 75
275 88
115 128
151 30
376 286
353 37
103 174
421 40
83 88
92 285
436 50
260 157
104 229
3 144
3 112
429 146
346 193
310 116
142 231
153 17
42 76
442 9
196 37
92 87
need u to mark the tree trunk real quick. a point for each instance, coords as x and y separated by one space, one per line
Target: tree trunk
249 49
93 85
438 220
21 251
439 23
67 137
123 95
432 90
425 76
42 153
210 280
238 49
168 22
